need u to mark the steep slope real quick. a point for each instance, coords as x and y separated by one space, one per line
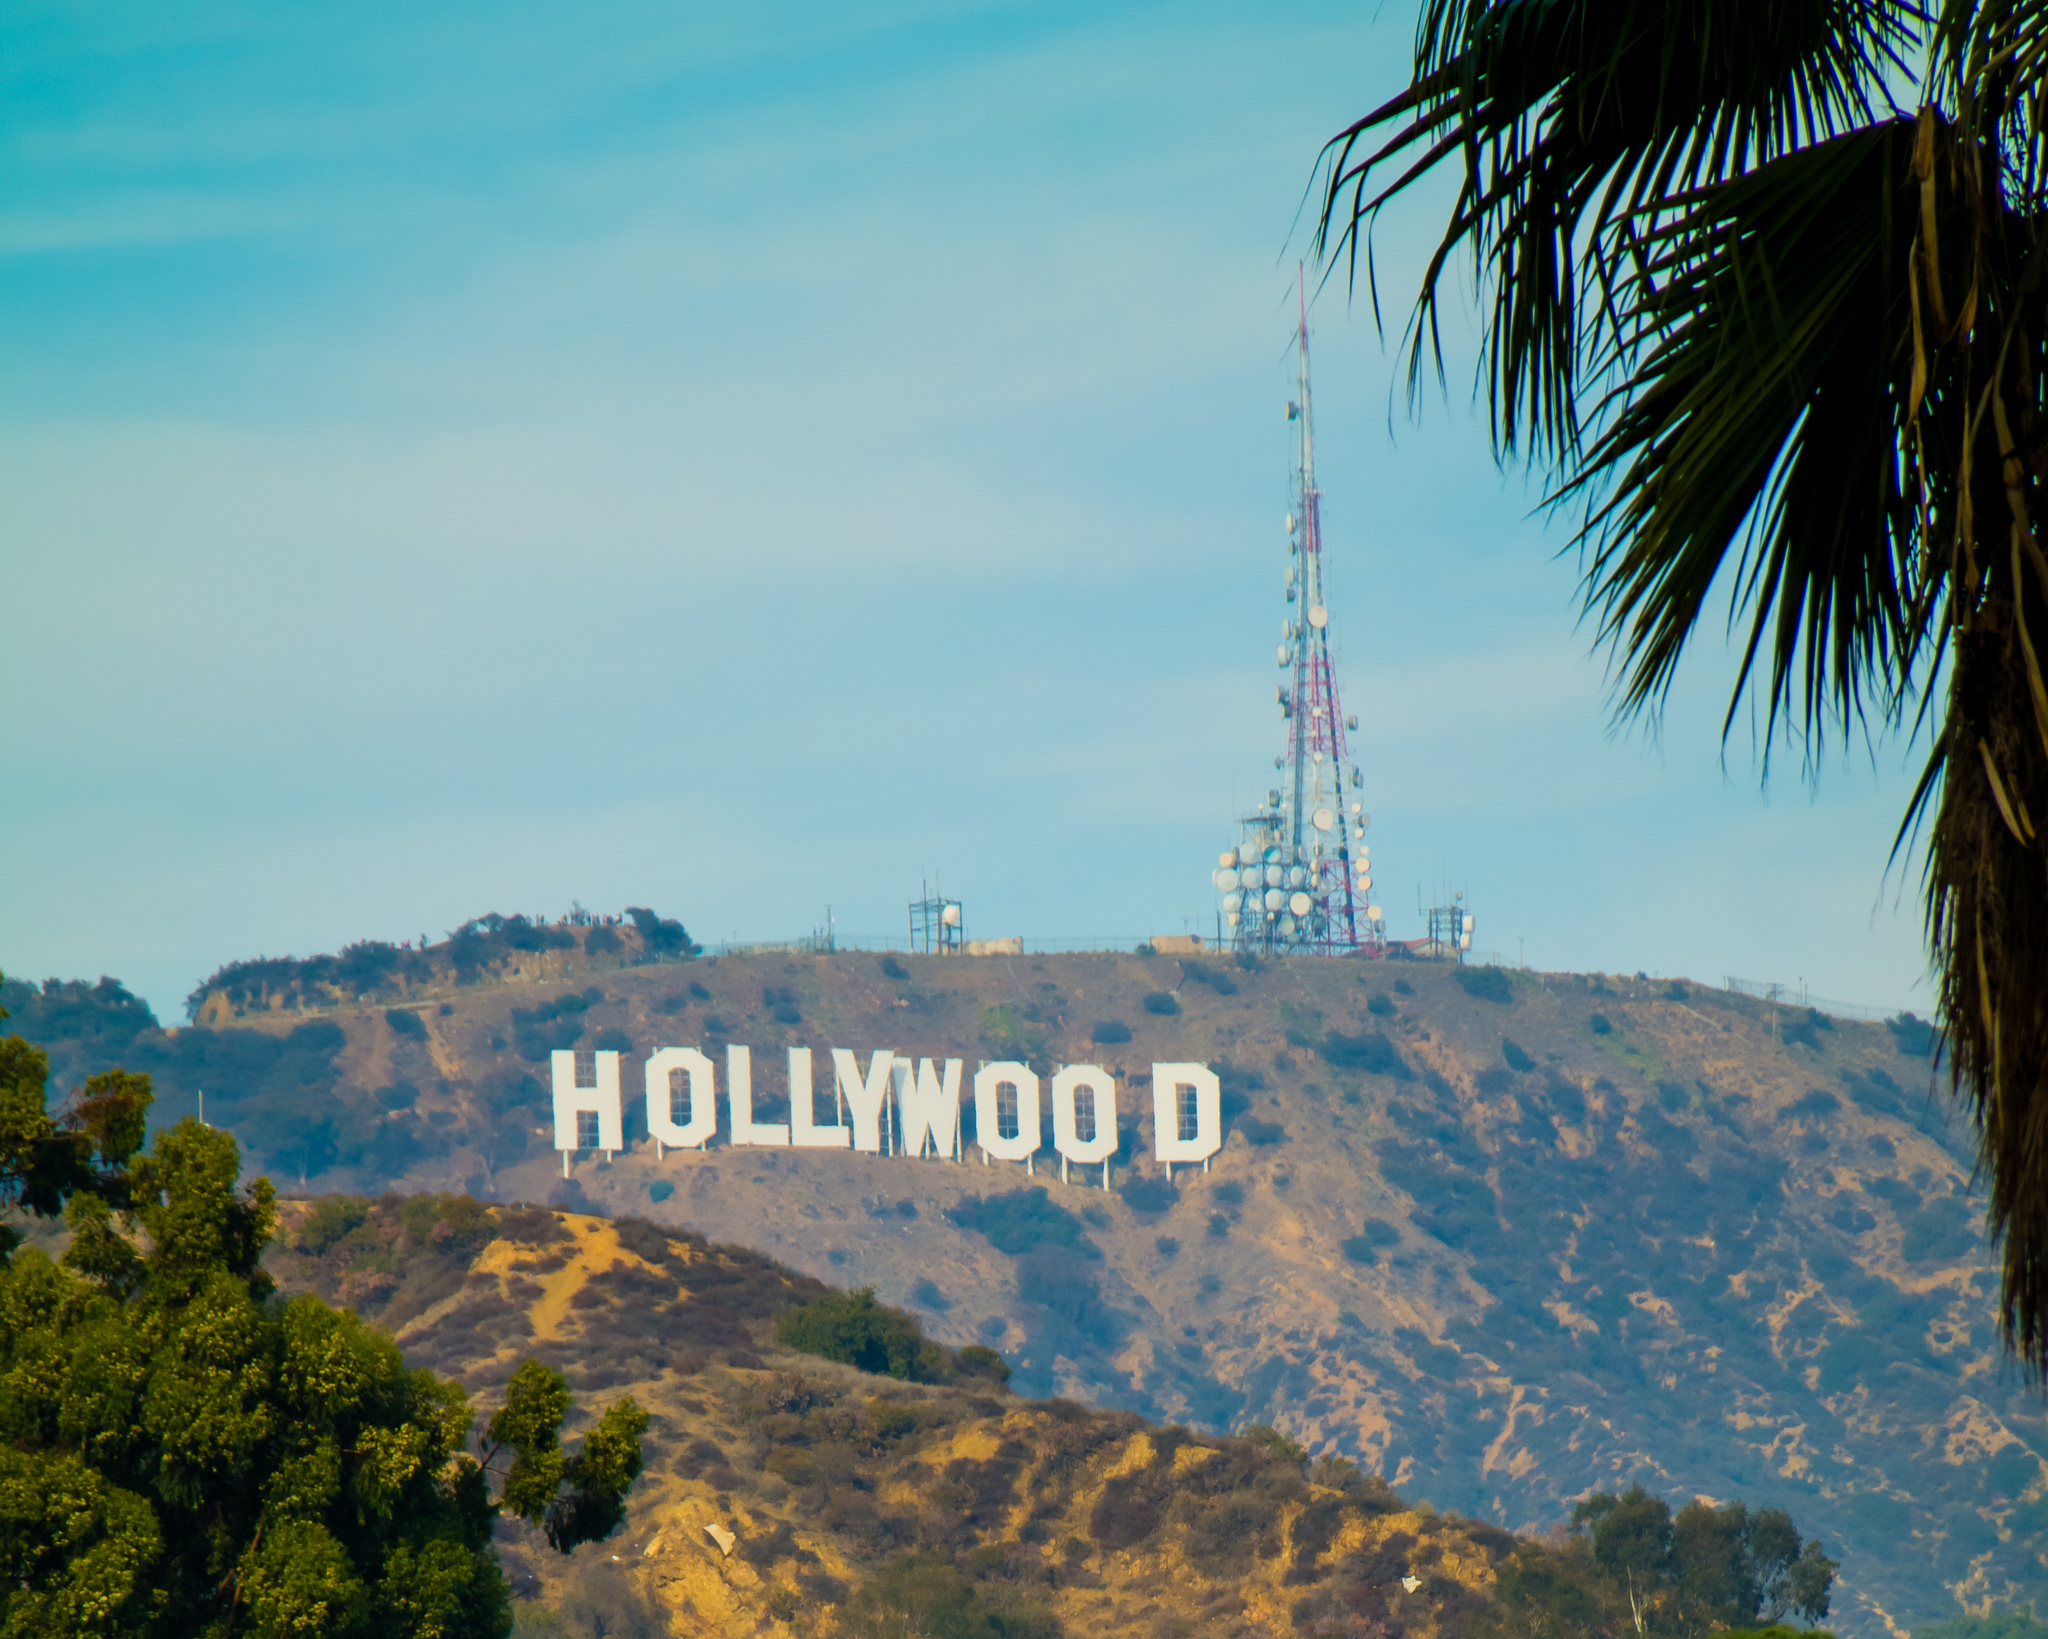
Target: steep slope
834 1486
1503 1244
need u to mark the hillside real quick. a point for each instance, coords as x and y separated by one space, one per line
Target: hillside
842 1491
1467 1236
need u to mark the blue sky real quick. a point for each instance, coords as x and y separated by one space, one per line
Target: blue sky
744 459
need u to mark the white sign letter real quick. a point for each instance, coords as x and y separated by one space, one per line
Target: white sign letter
803 1134
928 1107
1084 1090
989 1111
739 1088
1187 1112
666 1101
864 1099
587 1115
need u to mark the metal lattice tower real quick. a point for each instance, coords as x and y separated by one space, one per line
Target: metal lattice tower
1300 878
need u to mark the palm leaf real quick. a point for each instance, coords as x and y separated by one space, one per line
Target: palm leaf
1571 117
1760 431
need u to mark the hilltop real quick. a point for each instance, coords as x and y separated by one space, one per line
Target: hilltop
1503 1238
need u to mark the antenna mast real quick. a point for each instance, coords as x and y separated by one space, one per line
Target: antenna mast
1300 878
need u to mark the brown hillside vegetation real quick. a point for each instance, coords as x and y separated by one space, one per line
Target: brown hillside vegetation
1505 1239
837 1486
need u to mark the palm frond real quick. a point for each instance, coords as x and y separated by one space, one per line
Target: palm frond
1572 118
1761 430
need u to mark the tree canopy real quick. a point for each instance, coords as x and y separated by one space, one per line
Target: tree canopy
183 1451
1783 341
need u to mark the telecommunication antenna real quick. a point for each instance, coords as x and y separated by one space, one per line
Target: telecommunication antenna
1450 929
1300 878
937 924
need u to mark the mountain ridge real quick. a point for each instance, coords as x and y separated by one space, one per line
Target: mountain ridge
1506 1238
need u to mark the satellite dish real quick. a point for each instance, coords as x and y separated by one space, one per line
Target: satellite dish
1324 819
1231 919
1468 924
1375 914
1299 903
1352 724
1275 875
1319 617
950 916
1365 884
1224 880
1297 876
1283 653
1227 859
1364 820
1231 902
1464 941
1251 876
1275 899
1287 926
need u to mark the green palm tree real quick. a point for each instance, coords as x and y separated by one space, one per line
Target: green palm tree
1771 331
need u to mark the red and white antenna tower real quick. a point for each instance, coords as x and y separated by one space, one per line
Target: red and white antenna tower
1300 878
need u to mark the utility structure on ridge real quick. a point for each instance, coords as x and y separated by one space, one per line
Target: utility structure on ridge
1300 878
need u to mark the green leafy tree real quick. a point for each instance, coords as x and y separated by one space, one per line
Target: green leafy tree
859 1330
182 1452
1781 340
1706 1569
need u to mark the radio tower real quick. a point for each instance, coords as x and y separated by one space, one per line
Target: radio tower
1300 879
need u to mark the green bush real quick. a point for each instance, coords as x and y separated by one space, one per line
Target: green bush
1162 1002
1486 984
1020 1221
1915 1036
1382 1004
405 1022
331 1220
1147 1192
1263 1434
663 936
1261 1134
1110 1031
923 1595
1373 1054
1599 1025
1517 1059
978 1360
857 1330
1374 1235
1198 973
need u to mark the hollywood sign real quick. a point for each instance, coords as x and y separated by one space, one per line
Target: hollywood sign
894 1107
